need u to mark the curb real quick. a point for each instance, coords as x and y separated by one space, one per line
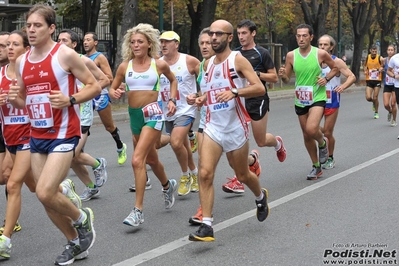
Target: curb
274 95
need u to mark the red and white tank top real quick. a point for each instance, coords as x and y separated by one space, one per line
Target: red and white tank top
40 78
15 122
225 117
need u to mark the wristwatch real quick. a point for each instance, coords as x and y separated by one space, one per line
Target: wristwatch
173 100
235 92
327 79
258 73
72 100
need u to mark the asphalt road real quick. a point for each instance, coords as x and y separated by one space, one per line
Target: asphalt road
350 214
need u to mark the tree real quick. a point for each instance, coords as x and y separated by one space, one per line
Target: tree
315 14
85 12
200 18
361 13
128 21
387 12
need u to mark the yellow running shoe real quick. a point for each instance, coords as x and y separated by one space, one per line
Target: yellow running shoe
184 185
17 227
122 155
193 143
194 184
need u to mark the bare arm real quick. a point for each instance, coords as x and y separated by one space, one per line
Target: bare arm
269 76
192 63
102 62
285 72
71 62
255 87
350 77
326 58
390 72
98 74
115 91
17 93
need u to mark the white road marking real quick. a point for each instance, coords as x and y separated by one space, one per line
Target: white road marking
156 252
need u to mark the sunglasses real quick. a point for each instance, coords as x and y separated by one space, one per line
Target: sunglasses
218 33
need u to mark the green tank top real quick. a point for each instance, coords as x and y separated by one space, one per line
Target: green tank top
307 69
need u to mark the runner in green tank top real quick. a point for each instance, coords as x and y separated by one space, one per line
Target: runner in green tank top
306 69
310 93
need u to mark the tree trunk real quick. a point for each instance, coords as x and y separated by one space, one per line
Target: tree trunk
200 19
357 55
128 21
90 10
386 18
315 16
361 14
208 16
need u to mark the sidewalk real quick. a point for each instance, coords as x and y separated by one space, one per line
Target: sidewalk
121 114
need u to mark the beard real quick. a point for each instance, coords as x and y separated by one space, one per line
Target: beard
221 47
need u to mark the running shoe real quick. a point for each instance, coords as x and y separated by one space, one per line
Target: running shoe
122 155
193 143
197 218
71 193
194 183
323 152
262 208
233 186
376 116
100 173
393 123
255 168
184 185
86 233
169 195
389 117
5 250
71 253
17 227
329 164
148 185
135 218
90 193
314 173
282 152
204 234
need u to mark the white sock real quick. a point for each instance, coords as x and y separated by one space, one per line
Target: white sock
81 218
8 240
184 173
260 197
207 220
278 146
195 171
75 240
64 190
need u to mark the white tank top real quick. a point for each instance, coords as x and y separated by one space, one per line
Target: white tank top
225 117
186 85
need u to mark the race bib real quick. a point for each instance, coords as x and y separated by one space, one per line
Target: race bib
329 95
304 94
389 80
214 105
152 112
165 95
374 74
39 110
14 116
